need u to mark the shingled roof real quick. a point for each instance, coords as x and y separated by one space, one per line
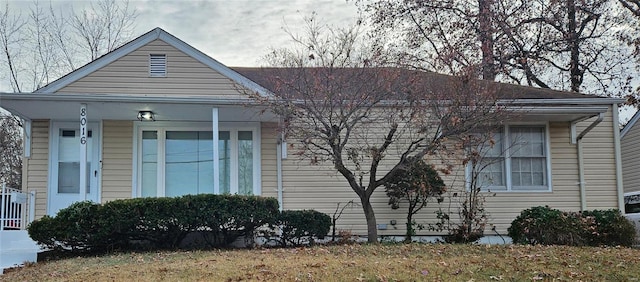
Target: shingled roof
266 78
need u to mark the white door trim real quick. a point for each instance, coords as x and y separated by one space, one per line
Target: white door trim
54 138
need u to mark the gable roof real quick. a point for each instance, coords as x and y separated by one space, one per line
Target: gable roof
627 127
156 33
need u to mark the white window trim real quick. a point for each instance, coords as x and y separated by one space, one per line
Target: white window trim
508 188
54 142
162 127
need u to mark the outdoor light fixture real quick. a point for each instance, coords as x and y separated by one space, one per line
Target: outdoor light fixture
146 116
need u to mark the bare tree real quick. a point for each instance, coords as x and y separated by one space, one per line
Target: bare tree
104 27
632 5
633 39
567 45
11 151
342 105
48 43
10 40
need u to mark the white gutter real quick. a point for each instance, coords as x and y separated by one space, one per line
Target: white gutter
578 140
279 171
124 99
618 156
201 99
574 101
540 110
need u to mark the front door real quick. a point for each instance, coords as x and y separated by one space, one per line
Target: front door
64 185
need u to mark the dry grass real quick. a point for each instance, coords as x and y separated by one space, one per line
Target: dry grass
415 262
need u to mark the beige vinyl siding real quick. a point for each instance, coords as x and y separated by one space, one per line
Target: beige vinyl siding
319 187
268 143
117 159
600 165
37 167
129 75
630 147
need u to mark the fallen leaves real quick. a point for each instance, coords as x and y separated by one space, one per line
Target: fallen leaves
414 262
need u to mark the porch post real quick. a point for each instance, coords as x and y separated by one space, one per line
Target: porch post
216 157
83 152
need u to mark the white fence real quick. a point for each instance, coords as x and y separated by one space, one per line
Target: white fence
17 208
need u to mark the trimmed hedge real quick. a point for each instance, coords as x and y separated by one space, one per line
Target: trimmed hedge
612 228
299 227
154 223
546 226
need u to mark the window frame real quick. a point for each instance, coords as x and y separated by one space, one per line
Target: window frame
507 156
163 127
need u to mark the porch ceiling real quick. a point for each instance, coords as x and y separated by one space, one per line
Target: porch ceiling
128 110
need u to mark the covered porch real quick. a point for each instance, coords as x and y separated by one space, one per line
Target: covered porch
142 146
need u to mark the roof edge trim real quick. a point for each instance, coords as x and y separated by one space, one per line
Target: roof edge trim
627 127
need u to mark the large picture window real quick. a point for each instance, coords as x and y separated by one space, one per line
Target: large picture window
517 160
178 161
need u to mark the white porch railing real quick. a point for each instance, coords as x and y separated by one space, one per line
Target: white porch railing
14 214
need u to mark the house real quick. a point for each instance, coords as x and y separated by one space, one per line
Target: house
629 138
146 119
631 167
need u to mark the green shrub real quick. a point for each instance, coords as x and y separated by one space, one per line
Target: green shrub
612 228
224 218
300 227
154 223
75 228
45 231
416 186
546 226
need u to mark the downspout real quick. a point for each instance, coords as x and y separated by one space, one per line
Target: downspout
279 170
583 189
26 150
27 138
618 156
578 139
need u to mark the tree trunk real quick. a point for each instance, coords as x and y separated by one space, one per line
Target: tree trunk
485 36
574 45
372 227
410 231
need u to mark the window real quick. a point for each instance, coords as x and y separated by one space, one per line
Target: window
69 161
175 161
158 65
517 161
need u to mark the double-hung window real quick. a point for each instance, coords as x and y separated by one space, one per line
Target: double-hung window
174 161
517 160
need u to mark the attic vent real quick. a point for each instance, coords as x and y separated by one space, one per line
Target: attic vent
157 65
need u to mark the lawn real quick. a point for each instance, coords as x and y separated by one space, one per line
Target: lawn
413 262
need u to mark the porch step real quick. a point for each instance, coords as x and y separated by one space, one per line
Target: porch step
16 248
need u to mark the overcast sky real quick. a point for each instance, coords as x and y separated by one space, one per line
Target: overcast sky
237 33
